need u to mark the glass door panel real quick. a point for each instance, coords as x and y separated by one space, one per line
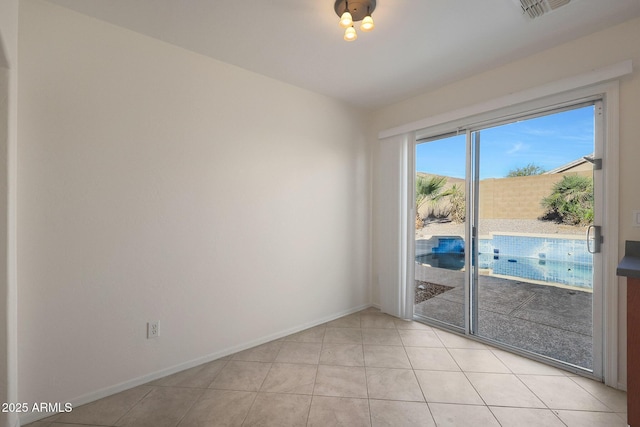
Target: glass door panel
440 230
533 277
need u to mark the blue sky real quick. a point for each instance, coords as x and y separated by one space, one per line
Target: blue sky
548 141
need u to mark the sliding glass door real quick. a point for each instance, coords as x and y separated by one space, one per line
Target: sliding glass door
530 281
440 230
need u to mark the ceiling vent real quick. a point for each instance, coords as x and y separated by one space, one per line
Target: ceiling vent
536 8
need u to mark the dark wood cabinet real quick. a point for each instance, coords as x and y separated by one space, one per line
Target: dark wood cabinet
633 351
629 267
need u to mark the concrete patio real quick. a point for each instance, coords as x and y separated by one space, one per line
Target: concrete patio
547 320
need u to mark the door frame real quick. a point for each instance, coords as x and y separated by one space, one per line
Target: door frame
608 92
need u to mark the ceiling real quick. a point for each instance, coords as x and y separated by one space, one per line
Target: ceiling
417 45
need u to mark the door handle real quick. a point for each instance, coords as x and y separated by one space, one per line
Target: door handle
597 239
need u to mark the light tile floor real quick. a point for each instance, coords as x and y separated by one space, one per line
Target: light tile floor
365 369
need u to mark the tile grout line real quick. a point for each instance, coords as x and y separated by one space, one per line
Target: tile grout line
135 404
253 402
420 384
591 394
480 396
190 408
553 411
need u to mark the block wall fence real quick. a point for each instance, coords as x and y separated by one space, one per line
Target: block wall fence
504 198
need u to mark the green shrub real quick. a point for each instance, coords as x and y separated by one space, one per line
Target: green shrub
458 206
570 201
530 169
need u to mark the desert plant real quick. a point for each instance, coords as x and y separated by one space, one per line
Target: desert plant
428 189
440 212
530 169
570 201
457 201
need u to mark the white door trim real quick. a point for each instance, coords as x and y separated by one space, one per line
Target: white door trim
611 160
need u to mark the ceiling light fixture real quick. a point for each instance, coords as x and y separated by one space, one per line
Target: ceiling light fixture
355 11
350 34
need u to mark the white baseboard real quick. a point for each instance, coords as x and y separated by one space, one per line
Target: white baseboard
117 388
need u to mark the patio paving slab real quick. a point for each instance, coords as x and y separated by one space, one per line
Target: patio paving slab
548 320
560 308
545 340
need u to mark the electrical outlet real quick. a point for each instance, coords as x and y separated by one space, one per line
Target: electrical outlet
636 218
153 329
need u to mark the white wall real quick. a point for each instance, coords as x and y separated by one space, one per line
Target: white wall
579 56
8 140
155 183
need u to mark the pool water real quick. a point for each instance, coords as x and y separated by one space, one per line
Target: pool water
449 261
552 271
544 270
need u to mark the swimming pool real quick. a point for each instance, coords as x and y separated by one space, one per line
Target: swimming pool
450 261
558 260
551 271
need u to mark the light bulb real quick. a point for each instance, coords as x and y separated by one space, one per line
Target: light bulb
367 24
350 34
346 20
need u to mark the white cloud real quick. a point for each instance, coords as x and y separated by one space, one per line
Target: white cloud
517 147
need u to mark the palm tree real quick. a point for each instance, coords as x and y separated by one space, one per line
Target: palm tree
428 189
570 201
